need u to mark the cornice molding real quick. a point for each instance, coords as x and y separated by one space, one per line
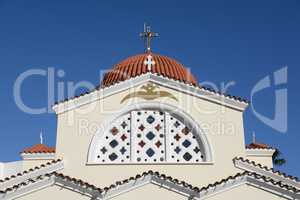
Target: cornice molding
46 168
260 152
38 156
202 93
253 179
251 166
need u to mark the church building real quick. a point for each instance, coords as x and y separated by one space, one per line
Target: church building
148 131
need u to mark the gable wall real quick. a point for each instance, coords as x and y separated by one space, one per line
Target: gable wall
150 192
73 144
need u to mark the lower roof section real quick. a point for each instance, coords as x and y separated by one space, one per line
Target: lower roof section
259 182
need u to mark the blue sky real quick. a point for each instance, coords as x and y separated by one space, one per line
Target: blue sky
221 41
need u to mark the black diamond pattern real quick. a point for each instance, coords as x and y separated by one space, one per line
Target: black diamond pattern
150 135
187 156
150 119
186 143
150 152
113 156
113 143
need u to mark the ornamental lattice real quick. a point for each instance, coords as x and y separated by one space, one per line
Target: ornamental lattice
149 136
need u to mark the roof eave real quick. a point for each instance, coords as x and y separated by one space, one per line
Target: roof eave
193 90
37 156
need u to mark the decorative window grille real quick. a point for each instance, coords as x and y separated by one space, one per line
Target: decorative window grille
149 136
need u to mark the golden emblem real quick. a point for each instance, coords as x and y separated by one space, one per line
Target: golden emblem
149 92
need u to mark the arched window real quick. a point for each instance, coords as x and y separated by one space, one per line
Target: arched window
149 136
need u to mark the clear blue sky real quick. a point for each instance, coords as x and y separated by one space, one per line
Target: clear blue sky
220 40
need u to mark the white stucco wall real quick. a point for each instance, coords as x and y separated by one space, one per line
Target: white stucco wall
263 160
245 192
1 170
10 168
54 192
150 191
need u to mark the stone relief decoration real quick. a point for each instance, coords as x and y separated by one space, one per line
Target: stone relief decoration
149 92
149 136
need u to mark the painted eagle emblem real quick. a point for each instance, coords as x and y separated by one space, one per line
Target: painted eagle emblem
149 92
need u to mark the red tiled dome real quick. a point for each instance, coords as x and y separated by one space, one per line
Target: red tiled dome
135 66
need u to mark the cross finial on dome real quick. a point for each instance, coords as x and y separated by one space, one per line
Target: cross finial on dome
147 35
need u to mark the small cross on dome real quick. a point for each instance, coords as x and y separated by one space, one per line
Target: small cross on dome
149 62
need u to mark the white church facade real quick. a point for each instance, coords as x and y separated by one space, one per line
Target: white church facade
156 137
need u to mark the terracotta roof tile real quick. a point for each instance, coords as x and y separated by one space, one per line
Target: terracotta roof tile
134 66
258 146
30 170
164 66
100 191
39 148
253 175
267 168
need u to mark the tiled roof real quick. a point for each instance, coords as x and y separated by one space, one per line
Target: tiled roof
76 181
39 148
267 168
31 170
135 66
79 183
157 175
96 191
258 146
196 189
252 175
164 66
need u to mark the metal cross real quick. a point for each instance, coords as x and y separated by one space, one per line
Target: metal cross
147 35
149 62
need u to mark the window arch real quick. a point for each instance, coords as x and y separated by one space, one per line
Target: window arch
149 136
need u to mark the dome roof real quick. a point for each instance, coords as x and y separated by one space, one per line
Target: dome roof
148 62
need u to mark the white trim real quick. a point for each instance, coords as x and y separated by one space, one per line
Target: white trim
43 170
208 151
77 188
29 188
38 156
44 182
272 189
160 80
256 181
149 179
220 188
251 168
260 152
248 180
